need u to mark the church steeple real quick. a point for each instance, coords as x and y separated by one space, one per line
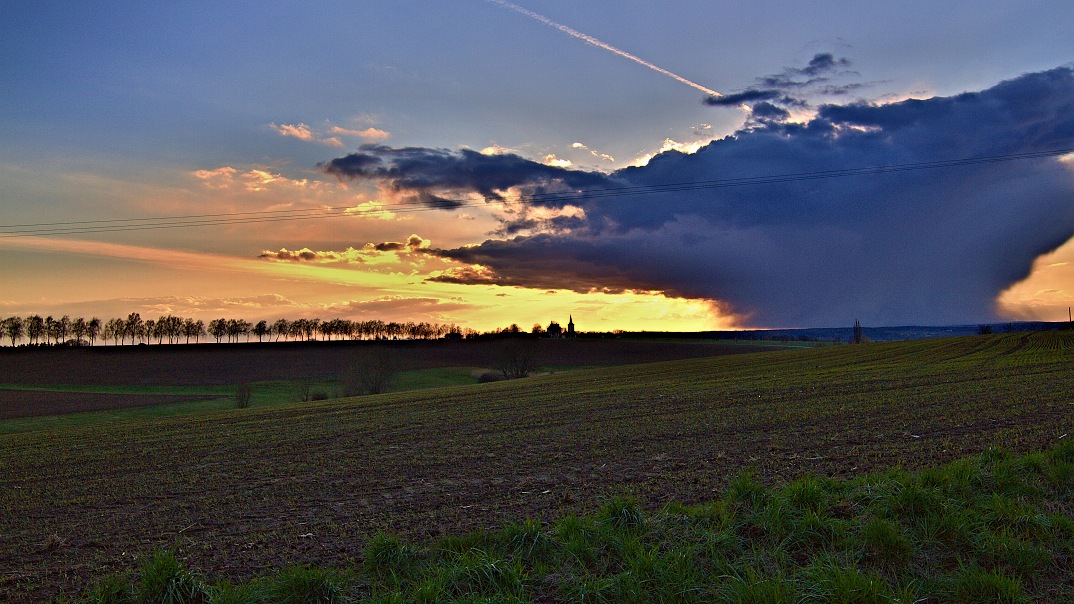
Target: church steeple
570 326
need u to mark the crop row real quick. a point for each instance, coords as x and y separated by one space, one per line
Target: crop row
239 490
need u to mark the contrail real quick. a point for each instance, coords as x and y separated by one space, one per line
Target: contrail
595 42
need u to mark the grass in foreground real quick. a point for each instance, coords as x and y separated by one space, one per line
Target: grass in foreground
991 528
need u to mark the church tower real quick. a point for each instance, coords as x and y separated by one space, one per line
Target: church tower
570 327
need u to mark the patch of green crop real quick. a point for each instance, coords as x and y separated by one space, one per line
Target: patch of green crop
113 389
262 394
76 420
434 378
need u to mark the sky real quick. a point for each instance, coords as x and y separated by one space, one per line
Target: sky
635 165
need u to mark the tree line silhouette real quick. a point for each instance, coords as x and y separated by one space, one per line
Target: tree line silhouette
48 331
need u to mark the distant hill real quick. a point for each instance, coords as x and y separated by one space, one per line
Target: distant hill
875 334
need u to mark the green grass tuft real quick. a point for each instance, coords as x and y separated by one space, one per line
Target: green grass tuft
885 544
837 582
622 513
386 555
111 589
528 539
306 585
165 581
754 586
977 586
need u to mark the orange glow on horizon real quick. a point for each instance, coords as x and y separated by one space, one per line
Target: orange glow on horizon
391 287
184 280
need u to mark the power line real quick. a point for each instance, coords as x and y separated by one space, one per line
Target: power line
234 218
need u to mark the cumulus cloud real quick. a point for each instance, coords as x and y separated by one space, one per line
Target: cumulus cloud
414 244
370 133
790 87
820 64
925 245
329 135
593 152
551 160
305 255
438 177
375 209
300 131
252 180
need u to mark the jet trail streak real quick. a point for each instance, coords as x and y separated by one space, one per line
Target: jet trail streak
595 42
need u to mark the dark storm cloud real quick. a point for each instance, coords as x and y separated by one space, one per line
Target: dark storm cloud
839 89
920 246
414 243
430 175
923 246
515 262
768 111
812 73
787 88
822 63
745 97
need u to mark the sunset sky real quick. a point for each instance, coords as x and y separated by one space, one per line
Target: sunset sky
638 165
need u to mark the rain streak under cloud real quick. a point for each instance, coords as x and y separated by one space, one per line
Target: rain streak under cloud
931 245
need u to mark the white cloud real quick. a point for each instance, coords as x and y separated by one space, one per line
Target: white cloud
367 133
253 180
300 131
671 145
552 160
593 152
330 135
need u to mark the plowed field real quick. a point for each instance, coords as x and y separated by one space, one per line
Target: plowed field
242 491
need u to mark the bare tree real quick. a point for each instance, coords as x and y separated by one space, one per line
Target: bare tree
135 326
62 327
193 329
169 326
50 329
370 371
93 329
116 330
261 329
14 328
244 329
35 327
517 357
279 328
218 328
242 396
78 329
297 329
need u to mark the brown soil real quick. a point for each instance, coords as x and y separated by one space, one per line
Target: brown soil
240 494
